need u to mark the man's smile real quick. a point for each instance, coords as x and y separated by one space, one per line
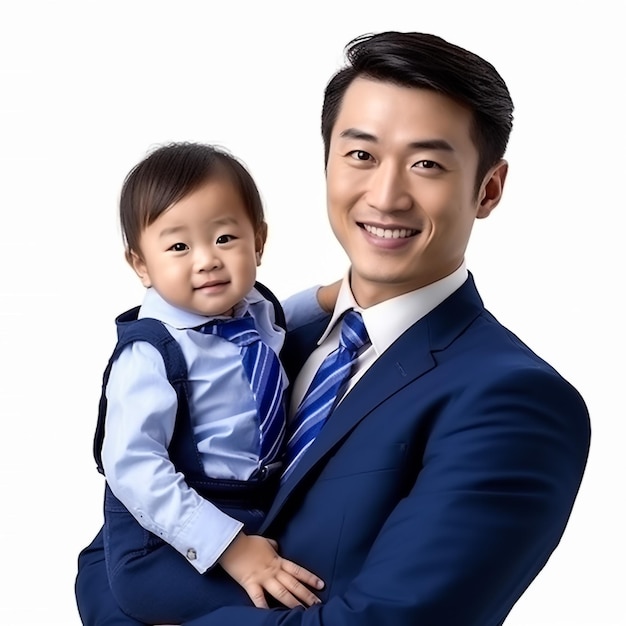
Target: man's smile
389 233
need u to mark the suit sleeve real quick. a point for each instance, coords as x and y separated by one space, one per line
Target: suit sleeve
500 472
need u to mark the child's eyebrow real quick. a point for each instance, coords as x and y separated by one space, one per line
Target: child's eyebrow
227 220
172 230
224 221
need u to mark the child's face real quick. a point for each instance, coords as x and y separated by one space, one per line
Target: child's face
202 253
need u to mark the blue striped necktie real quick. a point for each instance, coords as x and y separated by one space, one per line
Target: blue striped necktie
320 398
263 370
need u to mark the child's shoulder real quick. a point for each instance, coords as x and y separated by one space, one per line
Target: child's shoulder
267 294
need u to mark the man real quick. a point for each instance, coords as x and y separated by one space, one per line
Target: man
444 476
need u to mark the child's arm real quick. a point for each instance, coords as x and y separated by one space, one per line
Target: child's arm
253 562
135 458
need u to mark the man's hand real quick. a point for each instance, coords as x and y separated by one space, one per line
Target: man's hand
253 562
327 296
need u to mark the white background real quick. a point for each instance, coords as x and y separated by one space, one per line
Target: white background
87 87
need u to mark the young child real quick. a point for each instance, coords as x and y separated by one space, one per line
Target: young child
188 439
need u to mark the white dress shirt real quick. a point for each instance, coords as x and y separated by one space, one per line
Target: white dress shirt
385 322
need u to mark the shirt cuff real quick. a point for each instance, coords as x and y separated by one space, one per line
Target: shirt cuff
205 536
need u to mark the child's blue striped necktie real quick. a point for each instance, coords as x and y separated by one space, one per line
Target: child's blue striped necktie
263 370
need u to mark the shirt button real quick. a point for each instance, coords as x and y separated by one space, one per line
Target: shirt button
192 555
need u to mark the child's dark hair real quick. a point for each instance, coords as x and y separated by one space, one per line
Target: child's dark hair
170 173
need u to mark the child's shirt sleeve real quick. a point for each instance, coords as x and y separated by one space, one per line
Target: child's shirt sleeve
138 469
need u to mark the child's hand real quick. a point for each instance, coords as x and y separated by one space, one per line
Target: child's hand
254 563
327 296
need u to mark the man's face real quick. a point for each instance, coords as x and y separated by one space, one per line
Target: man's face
401 187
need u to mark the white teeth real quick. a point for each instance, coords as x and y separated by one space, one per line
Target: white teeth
387 233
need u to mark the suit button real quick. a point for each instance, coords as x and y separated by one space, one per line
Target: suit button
192 555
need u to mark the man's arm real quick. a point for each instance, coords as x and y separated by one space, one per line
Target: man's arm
489 506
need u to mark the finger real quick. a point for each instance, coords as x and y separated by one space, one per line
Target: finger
273 543
281 593
257 595
297 589
302 574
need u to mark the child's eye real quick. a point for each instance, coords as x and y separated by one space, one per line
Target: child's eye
224 239
179 247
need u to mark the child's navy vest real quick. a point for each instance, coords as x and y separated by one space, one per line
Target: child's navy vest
183 451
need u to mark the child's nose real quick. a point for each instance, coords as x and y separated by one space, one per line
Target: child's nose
206 259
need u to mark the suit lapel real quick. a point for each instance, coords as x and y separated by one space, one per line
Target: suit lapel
388 374
408 358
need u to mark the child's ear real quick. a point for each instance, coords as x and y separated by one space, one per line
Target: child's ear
140 267
259 242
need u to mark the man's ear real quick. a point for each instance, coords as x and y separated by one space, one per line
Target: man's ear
140 267
490 192
259 242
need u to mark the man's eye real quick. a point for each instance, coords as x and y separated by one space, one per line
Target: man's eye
224 239
360 155
426 164
179 247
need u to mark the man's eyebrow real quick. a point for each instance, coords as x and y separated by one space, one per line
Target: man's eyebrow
431 144
355 133
425 144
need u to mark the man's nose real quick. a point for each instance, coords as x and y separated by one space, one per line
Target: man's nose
389 188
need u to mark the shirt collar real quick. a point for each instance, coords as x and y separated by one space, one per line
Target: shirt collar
156 307
386 321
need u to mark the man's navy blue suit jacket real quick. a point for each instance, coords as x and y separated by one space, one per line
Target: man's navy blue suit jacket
436 491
